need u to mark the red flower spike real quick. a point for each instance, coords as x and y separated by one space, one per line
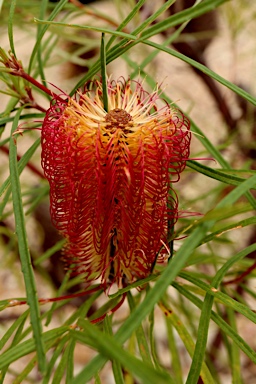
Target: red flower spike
110 176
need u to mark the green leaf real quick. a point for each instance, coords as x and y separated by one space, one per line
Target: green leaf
57 9
214 173
126 21
215 293
236 193
70 361
112 350
117 368
186 339
47 254
63 363
104 72
152 340
87 27
55 356
172 21
199 352
226 329
206 314
25 372
22 349
10 25
24 250
43 9
235 352
204 69
174 351
19 322
21 164
224 229
183 16
140 334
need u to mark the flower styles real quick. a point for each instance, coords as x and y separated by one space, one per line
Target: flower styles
110 175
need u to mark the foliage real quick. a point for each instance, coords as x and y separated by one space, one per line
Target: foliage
207 286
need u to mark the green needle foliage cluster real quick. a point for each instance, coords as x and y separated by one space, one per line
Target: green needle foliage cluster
196 302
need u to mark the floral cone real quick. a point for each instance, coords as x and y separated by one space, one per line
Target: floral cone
111 176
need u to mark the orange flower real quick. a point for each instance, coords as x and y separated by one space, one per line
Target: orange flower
110 176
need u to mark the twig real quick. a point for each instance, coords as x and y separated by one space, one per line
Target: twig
32 167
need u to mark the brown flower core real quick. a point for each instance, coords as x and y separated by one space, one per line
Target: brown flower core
118 118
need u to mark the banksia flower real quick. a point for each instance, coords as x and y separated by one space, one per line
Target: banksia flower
111 175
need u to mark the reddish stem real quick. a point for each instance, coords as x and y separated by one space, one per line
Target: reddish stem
13 303
70 296
29 164
241 277
54 299
36 83
38 107
98 319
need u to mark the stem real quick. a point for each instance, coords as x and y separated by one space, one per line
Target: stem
36 83
13 303
241 277
103 72
29 164
116 307
38 107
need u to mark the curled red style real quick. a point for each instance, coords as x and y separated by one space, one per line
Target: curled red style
111 176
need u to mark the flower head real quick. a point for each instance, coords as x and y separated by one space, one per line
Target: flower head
111 175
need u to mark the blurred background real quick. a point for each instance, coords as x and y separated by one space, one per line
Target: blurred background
225 41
